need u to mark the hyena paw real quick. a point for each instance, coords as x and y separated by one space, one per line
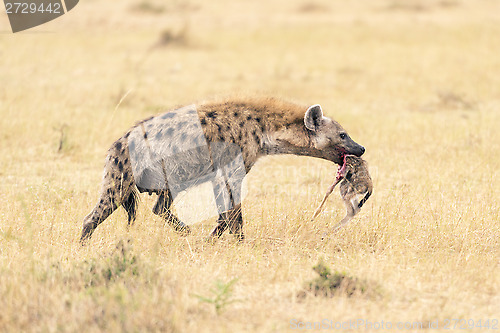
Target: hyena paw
86 234
182 229
240 237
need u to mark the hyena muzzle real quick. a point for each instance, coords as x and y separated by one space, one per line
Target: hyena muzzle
215 142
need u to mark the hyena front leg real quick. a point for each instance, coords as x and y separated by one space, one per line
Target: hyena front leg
162 208
236 223
231 218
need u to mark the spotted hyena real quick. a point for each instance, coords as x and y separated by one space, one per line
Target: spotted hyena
216 142
355 188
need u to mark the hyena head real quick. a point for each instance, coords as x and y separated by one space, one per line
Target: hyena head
328 137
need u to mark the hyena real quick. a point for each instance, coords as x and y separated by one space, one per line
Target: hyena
214 141
355 187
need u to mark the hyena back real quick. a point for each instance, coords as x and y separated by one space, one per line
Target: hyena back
214 141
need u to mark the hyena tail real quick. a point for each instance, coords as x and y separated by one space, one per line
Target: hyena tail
130 204
362 201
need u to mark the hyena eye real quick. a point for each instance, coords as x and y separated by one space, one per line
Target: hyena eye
343 136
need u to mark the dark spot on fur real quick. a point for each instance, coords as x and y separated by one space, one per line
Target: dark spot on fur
183 137
221 138
158 135
125 175
180 126
120 166
118 145
168 115
203 121
126 161
219 128
115 161
240 137
258 119
249 117
126 135
211 114
254 132
236 114
175 149
192 112
257 138
242 124
228 127
170 131
145 135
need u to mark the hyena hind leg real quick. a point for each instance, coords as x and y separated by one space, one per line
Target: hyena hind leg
101 211
162 208
130 206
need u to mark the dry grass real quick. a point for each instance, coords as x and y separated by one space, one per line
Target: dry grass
419 88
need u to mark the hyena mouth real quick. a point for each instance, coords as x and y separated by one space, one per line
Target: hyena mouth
342 153
342 167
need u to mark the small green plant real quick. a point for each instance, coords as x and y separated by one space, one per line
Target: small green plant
329 284
221 294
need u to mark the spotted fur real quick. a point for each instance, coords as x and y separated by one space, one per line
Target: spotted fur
254 127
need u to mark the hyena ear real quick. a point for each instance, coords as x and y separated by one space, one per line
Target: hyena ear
313 117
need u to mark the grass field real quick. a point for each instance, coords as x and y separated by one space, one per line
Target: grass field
416 82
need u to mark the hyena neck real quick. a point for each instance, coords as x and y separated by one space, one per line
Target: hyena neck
285 148
293 140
